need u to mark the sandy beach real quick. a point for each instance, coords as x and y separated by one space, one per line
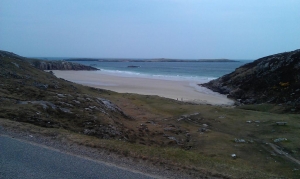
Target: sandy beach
183 90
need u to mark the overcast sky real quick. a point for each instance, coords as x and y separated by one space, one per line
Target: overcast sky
185 29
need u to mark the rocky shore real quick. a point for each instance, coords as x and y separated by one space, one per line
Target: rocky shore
61 65
272 79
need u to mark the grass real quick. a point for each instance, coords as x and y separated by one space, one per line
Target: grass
226 124
211 150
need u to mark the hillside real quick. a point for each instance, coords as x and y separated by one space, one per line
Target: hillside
48 64
272 79
30 95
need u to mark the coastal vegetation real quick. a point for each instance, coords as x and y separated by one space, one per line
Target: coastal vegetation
244 141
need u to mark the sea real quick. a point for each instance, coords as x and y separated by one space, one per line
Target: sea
193 71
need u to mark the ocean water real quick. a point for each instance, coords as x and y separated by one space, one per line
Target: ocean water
195 71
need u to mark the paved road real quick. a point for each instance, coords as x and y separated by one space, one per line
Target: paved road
19 159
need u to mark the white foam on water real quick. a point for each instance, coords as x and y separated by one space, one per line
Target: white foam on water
197 79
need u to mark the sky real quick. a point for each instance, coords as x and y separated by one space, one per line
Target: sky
182 29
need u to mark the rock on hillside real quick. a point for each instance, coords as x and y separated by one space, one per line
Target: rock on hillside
271 79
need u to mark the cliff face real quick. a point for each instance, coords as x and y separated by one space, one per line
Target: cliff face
272 79
60 65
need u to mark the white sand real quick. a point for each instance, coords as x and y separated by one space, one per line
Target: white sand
185 90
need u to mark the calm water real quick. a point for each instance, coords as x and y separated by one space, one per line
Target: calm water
200 71
175 70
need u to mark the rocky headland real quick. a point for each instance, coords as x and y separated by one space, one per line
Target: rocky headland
272 79
61 65
49 65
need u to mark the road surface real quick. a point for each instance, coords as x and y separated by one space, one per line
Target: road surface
19 159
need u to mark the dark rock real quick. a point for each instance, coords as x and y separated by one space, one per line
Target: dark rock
202 129
41 85
51 72
239 140
133 66
281 123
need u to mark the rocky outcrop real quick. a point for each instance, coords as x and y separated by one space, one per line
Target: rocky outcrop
133 66
48 65
271 79
60 65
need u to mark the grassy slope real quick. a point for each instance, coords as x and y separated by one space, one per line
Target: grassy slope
213 149
153 125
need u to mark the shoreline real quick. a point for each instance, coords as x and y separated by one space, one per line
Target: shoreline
182 90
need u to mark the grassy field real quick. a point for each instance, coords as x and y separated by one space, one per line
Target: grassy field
211 150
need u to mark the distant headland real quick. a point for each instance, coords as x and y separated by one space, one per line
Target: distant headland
148 60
